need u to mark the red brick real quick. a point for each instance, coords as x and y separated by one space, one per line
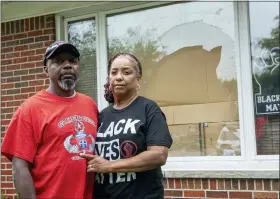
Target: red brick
48 43
250 184
28 53
40 51
7 86
6 62
12 43
42 22
6 172
31 94
6 184
50 25
8 49
35 58
7 38
194 194
41 76
184 183
243 184
259 185
275 185
20 60
213 184
35 33
236 194
20 72
234 184
3 166
36 45
36 82
9 166
42 38
165 183
197 183
26 24
174 193
265 195
21 35
21 96
27 41
13 67
12 55
13 103
27 77
37 23
190 183
178 184
3 104
11 191
3 178
6 122
3 56
40 63
49 18
171 183
27 90
216 194
28 65
13 91
205 183
49 31
7 98
9 116
9 178
221 184
266 185
20 48
35 70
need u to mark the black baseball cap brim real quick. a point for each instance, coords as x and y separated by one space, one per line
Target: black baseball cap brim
65 47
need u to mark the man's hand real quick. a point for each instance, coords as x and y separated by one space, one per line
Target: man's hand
97 163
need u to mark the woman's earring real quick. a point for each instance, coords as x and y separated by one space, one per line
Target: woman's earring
138 87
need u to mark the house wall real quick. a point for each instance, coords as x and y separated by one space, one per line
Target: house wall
23 43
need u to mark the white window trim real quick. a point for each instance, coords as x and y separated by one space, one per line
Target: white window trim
267 165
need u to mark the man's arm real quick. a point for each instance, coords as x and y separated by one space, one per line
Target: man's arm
22 178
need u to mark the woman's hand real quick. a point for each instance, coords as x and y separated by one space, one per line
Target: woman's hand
97 164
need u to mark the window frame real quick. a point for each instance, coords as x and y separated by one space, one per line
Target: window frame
249 160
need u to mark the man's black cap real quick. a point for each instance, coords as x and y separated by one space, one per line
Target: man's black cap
58 47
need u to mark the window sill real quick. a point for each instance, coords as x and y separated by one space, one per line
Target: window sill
222 174
257 169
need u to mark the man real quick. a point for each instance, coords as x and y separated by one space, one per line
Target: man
49 131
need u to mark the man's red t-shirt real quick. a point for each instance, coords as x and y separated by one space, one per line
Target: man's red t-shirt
50 132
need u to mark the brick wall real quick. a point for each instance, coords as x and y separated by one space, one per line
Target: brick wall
221 188
23 44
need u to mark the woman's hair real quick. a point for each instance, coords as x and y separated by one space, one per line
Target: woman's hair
108 94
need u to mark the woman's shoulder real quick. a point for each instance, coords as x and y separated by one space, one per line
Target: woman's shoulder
149 104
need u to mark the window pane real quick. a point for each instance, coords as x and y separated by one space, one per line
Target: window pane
187 54
83 35
265 50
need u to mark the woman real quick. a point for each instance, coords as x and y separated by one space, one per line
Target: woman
133 138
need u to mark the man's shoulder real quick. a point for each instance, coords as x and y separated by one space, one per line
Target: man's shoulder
85 97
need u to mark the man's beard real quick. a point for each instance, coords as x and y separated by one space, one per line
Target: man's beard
67 84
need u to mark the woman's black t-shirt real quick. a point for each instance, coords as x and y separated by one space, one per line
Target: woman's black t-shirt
125 133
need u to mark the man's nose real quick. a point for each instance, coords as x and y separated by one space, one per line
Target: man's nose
67 64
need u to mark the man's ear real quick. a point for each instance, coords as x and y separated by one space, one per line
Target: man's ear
46 70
